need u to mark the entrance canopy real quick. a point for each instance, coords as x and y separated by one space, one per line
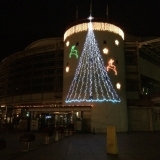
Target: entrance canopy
56 108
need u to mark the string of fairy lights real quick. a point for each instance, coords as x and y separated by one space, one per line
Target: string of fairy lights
98 26
91 82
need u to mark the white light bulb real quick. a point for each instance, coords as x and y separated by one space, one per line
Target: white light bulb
116 42
67 43
105 51
118 85
67 69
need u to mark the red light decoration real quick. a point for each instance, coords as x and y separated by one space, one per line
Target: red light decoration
111 66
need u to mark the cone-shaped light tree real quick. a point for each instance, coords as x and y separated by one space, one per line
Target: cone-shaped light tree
91 82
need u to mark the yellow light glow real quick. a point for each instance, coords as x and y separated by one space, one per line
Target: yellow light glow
111 66
67 43
118 85
90 26
98 26
105 51
67 69
116 42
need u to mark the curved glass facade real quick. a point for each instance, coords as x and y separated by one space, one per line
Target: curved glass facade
32 72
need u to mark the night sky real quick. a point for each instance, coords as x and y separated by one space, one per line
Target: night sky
25 21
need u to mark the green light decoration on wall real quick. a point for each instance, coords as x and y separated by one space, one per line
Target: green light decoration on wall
73 52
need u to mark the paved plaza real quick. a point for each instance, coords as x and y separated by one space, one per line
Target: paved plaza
134 146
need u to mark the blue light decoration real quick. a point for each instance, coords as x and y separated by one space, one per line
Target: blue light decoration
91 82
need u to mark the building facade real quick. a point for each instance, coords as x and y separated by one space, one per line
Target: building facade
32 78
94 53
93 77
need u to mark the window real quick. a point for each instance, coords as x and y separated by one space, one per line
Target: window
48 79
49 56
18 76
58 87
59 62
60 54
39 57
26 89
77 43
49 64
27 74
36 89
38 73
27 67
28 59
26 82
132 86
49 71
37 81
38 65
48 88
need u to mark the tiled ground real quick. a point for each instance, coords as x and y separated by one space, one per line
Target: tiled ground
134 146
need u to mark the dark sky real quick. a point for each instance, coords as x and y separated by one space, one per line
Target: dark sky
25 21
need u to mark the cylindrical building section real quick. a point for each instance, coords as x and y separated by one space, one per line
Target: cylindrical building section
94 72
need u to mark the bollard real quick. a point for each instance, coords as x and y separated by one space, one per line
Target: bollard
112 146
70 133
56 137
46 140
66 132
27 138
94 130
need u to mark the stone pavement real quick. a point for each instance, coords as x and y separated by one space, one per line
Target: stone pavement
134 146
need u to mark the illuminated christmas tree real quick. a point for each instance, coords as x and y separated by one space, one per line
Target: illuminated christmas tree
91 82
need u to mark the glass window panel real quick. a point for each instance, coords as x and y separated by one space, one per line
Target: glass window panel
19 61
58 87
38 73
38 65
17 90
36 89
26 82
48 88
28 59
59 62
48 79
49 64
18 76
10 91
11 78
39 57
37 81
60 54
49 56
27 74
26 89
49 71
27 67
